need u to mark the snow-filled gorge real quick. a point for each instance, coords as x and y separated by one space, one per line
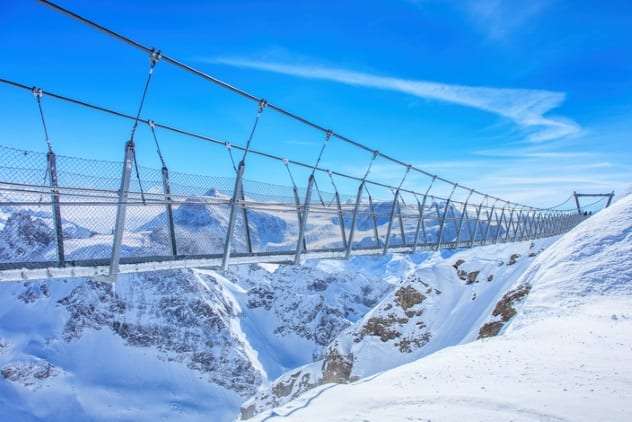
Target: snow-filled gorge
399 331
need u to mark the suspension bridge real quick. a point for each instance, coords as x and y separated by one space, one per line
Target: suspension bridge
76 217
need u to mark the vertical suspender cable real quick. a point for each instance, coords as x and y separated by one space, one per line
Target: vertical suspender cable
357 205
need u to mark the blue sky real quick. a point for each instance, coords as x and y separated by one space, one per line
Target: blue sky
529 100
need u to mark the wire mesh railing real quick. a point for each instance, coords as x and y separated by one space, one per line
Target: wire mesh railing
268 221
64 212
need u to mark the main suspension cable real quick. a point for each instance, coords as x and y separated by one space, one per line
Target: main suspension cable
223 143
239 91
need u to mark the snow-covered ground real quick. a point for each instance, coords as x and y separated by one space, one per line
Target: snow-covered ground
201 345
196 344
567 355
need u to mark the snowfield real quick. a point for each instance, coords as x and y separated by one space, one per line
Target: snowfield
566 356
390 337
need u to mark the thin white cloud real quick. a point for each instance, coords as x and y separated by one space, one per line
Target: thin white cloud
525 107
498 19
521 153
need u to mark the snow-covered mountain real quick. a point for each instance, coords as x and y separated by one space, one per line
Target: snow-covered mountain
199 345
563 352
439 302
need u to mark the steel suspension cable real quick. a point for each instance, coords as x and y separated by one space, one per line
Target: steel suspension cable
322 150
152 126
238 91
286 163
38 93
262 106
153 60
229 148
218 142
320 195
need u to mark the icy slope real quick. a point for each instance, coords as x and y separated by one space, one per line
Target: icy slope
566 356
439 302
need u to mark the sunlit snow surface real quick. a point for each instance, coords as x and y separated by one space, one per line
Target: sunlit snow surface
567 356
261 322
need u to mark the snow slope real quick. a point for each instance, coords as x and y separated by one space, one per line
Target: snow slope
439 302
565 356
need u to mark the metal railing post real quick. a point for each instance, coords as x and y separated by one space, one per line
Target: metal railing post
531 225
531 234
442 222
560 228
420 223
353 219
400 217
518 227
121 208
300 244
463 214
56 209
390 222
489 223
499 224
166 187
579 209
476 224
299 215
233 213
341 219
609 199
539 225
549 224
373 219
420 208
509 225
245 216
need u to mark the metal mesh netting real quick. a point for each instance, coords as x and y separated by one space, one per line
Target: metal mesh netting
267 218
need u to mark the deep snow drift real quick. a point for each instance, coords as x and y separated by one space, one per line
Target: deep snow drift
567 355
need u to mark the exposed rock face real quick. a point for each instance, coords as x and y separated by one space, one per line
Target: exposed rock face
513 259
383 327
398 318
336 367
310 303
29 373
25 237
468 277
185 318
408 296
33 292
472 277
395 326
504 311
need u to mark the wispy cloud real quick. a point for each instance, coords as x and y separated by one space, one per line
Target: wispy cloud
525 107
498 19
529 153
